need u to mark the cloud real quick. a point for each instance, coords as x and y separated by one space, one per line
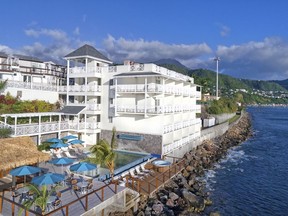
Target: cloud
6 49
146 51
53 33
76 31
263 60
224 31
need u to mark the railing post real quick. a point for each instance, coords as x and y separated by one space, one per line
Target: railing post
67 210
1 201
115 188
138 186
102 194
26 213
149 187
13 209
86 203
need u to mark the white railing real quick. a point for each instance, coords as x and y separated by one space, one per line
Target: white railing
49 127
158 88
33 86
180 125
81 70
158 109
179 143
93 107
80 88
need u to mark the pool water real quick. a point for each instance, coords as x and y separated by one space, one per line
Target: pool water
124 160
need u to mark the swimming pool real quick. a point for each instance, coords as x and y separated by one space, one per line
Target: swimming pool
125 160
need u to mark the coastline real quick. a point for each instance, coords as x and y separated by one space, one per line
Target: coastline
185 194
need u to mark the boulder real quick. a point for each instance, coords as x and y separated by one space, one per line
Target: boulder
157 208
170 203
173 196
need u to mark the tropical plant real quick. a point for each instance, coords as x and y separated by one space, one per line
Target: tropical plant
3 85
40 197
5 132
103 153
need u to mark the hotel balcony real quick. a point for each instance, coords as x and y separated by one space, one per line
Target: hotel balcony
150 68
33 85
51 127
155 88
81 71
133 109
80 89
180 125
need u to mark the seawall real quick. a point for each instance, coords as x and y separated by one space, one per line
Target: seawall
184 194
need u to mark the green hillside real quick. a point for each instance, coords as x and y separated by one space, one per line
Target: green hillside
253 91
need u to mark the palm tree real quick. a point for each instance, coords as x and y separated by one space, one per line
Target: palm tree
104 153
40 197
3 85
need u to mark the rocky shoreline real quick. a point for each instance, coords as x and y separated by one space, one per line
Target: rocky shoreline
185 193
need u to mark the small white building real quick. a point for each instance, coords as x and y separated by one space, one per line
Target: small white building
28 75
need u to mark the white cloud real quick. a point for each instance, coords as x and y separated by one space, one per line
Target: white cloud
265 60
53 33
6 49
144 51
224 31
76 31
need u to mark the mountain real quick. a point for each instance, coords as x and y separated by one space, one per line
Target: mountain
172 64
227 82
283 83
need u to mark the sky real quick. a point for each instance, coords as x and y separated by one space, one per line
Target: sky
249 36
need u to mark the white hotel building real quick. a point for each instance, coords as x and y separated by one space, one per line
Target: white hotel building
152 108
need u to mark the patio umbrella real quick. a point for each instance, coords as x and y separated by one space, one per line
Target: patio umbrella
25 170
48 178
76 141
82 166
58 145
68 137
62 161
54 140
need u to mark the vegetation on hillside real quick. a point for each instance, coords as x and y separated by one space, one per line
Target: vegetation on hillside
225 105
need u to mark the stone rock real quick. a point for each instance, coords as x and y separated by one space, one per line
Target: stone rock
173 196
141 213
170 203
157 208
189 168
214 214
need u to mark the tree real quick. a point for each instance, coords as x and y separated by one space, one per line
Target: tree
40 197
103 153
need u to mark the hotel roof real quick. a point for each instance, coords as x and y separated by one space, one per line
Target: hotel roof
87 50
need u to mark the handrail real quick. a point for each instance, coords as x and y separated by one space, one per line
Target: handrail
63 206
159 178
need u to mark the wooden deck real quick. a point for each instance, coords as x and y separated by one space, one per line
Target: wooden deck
151 183
73 203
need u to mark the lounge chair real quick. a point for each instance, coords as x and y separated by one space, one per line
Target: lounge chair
140 173
142 168
67 154
132 174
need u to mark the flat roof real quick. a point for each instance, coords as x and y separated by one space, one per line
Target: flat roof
138 74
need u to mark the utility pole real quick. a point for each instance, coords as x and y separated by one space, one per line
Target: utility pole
217 59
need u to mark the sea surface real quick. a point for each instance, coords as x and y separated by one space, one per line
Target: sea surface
253 178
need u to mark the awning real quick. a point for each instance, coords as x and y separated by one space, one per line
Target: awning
72 110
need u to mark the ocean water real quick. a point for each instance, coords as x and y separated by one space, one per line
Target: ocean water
253 178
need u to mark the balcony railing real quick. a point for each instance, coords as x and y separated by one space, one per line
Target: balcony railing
34 86
157 109
82 70
80 88
180 125
157 88
49 127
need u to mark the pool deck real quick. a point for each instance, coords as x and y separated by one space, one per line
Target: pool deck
73 203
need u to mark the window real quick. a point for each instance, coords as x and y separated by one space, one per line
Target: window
110 119
111 101
198 88
111 82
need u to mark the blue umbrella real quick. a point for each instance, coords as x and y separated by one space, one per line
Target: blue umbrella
62 161
48 178
54 140
25 170
76 141
69 137
82 166
58 145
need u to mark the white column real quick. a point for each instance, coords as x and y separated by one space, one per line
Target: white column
67 84
15 132
59 125
145 99
115 100
86 84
